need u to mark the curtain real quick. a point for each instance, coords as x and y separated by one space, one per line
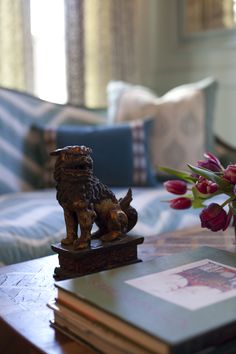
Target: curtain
102 44
15 48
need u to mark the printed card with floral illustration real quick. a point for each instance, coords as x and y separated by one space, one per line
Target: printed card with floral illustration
193 286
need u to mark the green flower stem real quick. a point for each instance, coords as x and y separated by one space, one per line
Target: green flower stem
229 200
234 209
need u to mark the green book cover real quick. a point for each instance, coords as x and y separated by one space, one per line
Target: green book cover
175 304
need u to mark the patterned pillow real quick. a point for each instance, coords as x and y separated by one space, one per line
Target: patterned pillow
120 152
19 167
182 126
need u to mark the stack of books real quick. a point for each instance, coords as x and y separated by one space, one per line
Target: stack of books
183 303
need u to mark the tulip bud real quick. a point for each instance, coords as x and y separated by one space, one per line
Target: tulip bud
180 203
176 186
213 217
209 155
230 173
205 186
212 187
209 164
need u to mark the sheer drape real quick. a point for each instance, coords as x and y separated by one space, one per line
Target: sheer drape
15 46
102 44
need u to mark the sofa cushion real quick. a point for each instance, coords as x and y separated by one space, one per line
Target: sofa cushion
120 152
19 168
183 119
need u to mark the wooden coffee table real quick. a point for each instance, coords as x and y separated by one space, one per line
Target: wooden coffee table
25 289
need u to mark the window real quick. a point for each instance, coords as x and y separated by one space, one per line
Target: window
48 37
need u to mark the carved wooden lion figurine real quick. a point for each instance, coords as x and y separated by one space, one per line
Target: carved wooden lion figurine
85 200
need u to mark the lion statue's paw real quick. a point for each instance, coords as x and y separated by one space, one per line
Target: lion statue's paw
67 241
110 236
80 245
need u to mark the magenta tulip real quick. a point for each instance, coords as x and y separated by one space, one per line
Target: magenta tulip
180 203
230 173
228 220
234 189
205 186
211 163
176 186
214 217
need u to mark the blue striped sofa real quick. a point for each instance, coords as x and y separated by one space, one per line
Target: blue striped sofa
30 216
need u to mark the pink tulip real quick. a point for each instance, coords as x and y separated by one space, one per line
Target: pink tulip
180 203
230 173
214 217
176 186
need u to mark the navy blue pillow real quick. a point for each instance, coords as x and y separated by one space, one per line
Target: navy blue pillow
120 151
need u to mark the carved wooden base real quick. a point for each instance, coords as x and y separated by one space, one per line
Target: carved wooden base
100 256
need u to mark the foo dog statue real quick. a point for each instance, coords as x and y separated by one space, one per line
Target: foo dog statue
85 200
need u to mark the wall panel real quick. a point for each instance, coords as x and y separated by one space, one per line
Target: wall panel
178 60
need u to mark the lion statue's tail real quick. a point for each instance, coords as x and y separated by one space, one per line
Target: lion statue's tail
131 212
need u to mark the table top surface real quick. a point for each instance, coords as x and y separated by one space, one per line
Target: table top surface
26 288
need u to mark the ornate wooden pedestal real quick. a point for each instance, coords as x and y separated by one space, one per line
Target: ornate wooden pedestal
100 256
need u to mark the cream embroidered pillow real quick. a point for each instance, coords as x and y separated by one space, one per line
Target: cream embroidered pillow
178 131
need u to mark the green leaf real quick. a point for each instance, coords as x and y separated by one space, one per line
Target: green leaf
186 176
205 173
198 203
223 184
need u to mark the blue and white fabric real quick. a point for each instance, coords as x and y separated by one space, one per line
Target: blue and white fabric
19 167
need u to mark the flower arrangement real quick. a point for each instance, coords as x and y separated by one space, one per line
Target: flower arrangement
205 180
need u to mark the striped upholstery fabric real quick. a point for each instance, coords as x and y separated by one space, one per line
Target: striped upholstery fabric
19 168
